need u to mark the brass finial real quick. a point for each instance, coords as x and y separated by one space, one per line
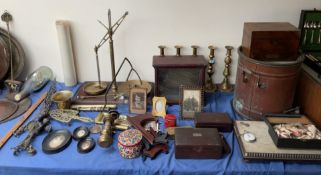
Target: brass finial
178 50
161 49
194 47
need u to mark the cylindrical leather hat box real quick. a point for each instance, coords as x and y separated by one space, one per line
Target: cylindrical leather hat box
264 86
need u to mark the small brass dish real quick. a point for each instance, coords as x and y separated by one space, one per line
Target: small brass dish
63 99
93 88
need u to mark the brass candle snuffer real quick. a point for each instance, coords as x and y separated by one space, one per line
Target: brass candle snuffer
14 86
98 88
210 86
225 86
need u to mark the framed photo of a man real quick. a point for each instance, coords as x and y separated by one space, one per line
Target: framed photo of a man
191 101
137 100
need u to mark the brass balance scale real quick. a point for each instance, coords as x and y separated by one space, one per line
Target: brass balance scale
91 95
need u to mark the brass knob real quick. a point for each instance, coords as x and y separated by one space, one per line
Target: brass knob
178 50
229 50
212 48
161 49
194 47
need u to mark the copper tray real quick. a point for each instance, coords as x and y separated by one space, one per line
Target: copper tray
4 61
7 108
18 53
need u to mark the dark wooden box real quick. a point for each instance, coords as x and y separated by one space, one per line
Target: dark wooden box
173 71
197 143
273 119
221 121
270 41
308 95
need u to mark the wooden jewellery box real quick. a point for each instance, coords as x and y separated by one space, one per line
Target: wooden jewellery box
198 143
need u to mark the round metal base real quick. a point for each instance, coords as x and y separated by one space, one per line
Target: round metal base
94 88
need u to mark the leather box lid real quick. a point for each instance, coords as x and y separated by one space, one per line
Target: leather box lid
179 61
212 118
195 137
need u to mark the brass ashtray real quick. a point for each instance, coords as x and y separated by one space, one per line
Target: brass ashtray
63 99
126 86
94 88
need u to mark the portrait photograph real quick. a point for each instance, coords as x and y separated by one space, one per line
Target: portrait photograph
137 100
191 101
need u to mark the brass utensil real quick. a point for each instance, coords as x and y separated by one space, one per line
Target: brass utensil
305 27
319 27
63 99
313 26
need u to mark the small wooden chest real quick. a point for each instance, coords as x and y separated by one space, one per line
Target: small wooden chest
173 71
197 143
218 120
270 41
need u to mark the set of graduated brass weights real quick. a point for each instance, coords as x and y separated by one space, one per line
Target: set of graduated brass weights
224 86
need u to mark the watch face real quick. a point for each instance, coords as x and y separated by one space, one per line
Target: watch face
249 137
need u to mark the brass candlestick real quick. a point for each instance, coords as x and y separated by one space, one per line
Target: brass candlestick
194 47
225 86
210 86
161 50
178 50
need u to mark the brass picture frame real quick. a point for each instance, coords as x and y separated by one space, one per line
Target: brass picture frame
159 106
137 100
191 101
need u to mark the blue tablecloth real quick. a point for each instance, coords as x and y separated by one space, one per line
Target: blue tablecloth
108 161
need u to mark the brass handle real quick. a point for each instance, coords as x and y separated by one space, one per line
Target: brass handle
245 78
261 85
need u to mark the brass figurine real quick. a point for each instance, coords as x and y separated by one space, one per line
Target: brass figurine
161 49
106 135
210 86
178 50
194 47
225 86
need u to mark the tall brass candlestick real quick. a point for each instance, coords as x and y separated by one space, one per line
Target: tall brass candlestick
225 86
210 86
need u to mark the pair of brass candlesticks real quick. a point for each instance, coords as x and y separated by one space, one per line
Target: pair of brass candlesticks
178 50
225 85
